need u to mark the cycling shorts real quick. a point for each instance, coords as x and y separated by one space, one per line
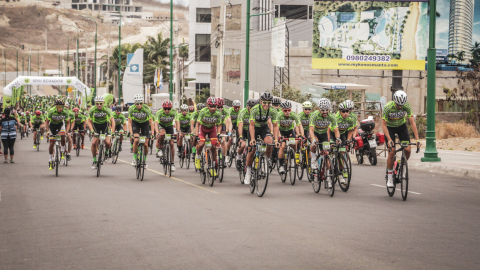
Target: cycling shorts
141 128
402 132
224 128
80 127
321 138
56 128
118 127
168 130
288 133
35 126
101 128
185 129
260 131
343 137
211 133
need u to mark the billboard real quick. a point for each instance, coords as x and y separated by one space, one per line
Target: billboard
133 76
278 42
391 35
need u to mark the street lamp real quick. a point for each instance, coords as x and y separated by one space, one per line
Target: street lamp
78 56
119 51
95 73
171 49
68 54
247 52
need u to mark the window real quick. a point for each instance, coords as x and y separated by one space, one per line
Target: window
202 47
277 10
294 12
204 15
310 12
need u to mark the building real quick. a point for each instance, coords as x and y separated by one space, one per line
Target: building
460 26
199 43
262 74
102 5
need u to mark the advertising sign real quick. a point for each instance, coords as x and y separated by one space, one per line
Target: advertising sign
133 78
389 35
278 42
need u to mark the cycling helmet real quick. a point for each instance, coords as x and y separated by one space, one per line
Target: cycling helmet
236 103
349 104
37 112
28 112
67 104
138 98
211 101
276 101
118 108
220 102
59 102
307 104
99 99
324 104
400 97
342 106
167 104
76 110
23 113
184 107
286 105
266 96
200 106
251 102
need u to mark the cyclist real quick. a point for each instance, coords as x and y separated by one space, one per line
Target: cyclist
346 125
79 121
69 134
276 103
209 121
321 122
183 120
23 122
191 109
232 123
28 119
193 123
350 106
37 121
120 124
289 126
224 112
140 121
57 120
164 120
262 117
99 117
243 122
305 117
394 121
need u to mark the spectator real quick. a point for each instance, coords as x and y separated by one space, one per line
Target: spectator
8 134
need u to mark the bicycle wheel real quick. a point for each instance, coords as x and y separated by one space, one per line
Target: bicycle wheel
57 159
242 171
346 167
99 159
202 169
317 178
292 167
253 181
166 159
301 166
188 154
210 167
232 155
221 166
78 147
391 191
329 175
403 178
142 165
283 177
182 156
262 176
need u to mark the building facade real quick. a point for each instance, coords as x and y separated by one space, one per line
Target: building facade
199 43
460 26
102 5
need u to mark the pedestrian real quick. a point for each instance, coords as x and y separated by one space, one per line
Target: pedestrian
8 134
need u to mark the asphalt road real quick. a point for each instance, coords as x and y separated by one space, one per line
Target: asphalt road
79 221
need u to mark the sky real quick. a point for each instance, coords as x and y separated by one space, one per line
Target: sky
443 7
183 2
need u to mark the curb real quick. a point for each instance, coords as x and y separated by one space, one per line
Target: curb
428 167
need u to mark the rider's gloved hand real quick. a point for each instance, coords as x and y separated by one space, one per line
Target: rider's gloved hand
230 134
338 141
391 144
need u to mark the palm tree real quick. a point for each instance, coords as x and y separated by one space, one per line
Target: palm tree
451 56
461 56
475 51
156 56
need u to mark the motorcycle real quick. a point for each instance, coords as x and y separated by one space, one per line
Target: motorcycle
365 143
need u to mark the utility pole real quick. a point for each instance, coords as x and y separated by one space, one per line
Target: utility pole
221 54
431 153
177 66
171 50
108 57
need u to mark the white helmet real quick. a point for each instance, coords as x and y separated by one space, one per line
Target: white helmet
184 107
99 99
138 98
324 104
349 104
236 103
286 105
400 98
342 106
67 104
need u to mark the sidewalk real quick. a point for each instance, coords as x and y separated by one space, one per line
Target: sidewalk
454 163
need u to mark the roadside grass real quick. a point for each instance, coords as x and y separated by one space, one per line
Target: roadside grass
452 130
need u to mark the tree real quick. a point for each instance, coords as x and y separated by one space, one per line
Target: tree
156 56
475 51
202 96
451 56
290 93
461 56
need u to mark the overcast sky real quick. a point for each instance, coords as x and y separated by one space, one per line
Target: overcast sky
183 2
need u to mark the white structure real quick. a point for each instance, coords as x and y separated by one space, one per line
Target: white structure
199 39
101 5
460 26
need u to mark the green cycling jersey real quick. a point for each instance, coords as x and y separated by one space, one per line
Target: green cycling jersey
37 120
321 123
261 116
100 116
80 119
165 119
305 120
55 117
287 123
396 117
208 119
345 124
224 114
119 118
233 115
184 120
244 117
140 116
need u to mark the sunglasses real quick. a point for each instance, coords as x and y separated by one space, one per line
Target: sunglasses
98 104
287 110
213 106
167 109
220 107
266 102
345 111
324 111
236 107
307 109
138 103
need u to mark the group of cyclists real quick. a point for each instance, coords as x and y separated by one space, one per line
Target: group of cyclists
230 129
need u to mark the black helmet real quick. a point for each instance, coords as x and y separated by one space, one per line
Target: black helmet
200 106
276 101
266 96
251 102
59 102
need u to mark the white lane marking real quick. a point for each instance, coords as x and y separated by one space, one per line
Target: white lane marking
397 189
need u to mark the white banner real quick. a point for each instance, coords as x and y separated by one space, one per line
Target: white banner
278 42
133 76
36 80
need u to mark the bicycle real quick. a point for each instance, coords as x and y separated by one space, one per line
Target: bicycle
100 150
243 171
260 171
150 145
166 159
186 152
140 162
338 158
304 161
400 170
56 154
290 164
320 175
232 152
220 159
77 142
208 165
115 147
37 139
